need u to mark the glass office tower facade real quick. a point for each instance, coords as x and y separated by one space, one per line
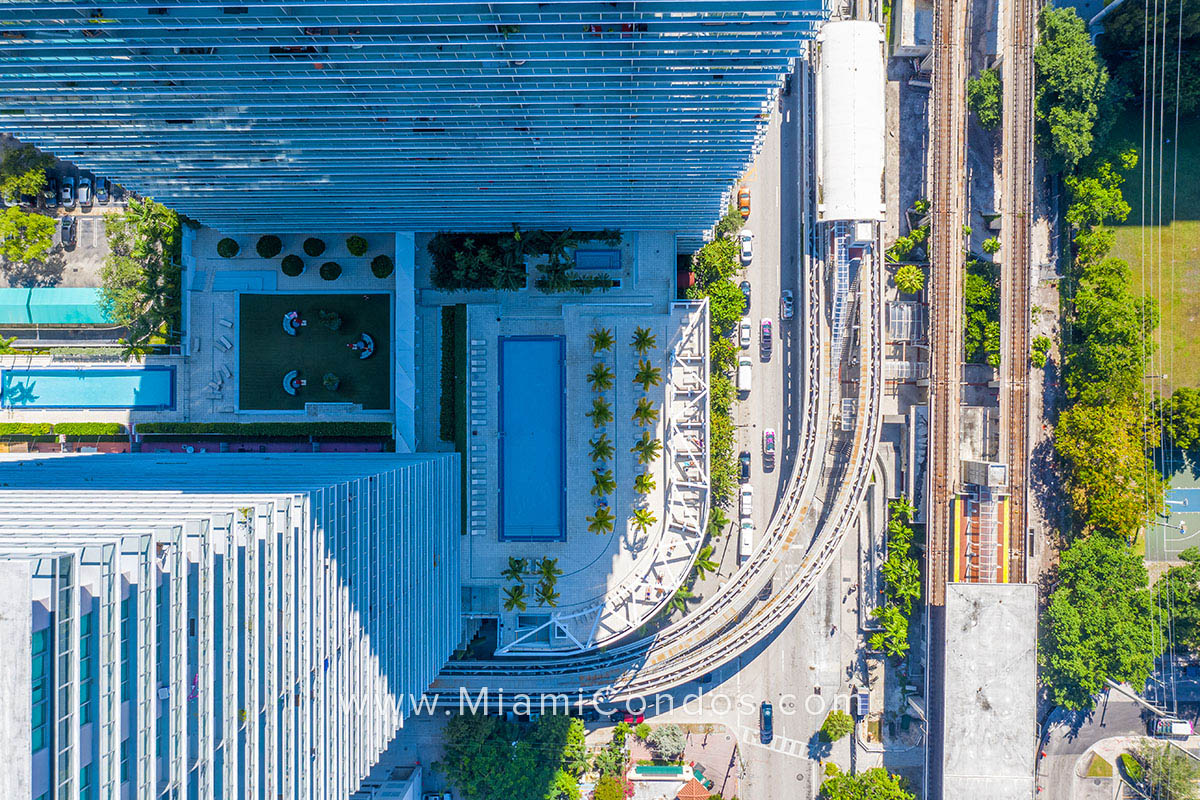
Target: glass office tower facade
406 116
218 626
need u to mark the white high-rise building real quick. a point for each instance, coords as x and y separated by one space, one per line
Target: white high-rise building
226 625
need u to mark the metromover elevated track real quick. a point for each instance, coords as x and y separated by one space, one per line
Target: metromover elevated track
1015 275
802 540
948 176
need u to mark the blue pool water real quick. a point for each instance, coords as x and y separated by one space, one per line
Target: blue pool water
532 458
107 387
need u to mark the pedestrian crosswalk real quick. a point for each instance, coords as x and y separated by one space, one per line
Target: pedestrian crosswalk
749 737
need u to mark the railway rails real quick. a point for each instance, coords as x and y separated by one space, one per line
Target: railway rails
948 177
1016 269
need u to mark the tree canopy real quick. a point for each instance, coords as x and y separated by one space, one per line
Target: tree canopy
483 764
22 171
1181 418
872 784
983 97
1108 477
1097 625
668 741
141 275
25 237
910 279
1177 600
1069 85
1167 773
1125 43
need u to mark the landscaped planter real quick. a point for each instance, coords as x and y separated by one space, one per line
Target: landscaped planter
357 245
331 270
382 266
314 247
269 246
227 248
292 266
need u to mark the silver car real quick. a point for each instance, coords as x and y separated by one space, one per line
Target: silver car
85 193
68 192
788 305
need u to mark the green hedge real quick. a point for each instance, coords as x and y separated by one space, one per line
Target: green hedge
342 429
292 265
382 266
269 246
89 428
227 248
448 414
25 428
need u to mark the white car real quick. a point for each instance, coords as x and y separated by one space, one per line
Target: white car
746 502
746 239
745 333
745 540
743 375
788 305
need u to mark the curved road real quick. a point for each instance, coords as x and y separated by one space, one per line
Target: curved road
801 541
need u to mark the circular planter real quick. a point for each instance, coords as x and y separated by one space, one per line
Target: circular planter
314 246
292 265
268 246
357 246
382 266
227 248
330 270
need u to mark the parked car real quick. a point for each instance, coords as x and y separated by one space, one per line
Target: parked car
68 192
591 715
743 375
102 191
68 231
766 722
744 201
746 502
85 193
745 540
769 444
49 193
745 287
746 240
744 462
764 337
625 716
788 305
744 334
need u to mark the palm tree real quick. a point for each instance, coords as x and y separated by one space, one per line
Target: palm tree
643 518
509 274
645 413
643 483
602 448
647 448
647 375
548 567
546 595
514 597
901 507
601 377
680 599
601 412
643 340
602 340
516 570
704 563
604 484
601 521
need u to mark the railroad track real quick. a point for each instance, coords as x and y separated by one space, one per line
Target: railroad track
1016 269
948 177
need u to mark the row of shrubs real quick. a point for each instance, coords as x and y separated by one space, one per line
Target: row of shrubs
61 429
340 429
270 246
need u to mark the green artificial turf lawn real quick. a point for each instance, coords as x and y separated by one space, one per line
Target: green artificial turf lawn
1165 259
266 353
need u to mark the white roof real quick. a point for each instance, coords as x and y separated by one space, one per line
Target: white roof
989 696
850 134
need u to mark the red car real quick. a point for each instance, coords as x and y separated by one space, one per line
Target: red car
744 202
625 716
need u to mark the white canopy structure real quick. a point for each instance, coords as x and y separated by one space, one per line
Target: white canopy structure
850 134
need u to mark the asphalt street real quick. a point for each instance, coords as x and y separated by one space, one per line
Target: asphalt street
1068 735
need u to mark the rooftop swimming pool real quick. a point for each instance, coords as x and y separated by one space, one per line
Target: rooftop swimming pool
102 387
532 439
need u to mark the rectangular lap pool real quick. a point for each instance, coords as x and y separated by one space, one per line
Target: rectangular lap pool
532 461
103 387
